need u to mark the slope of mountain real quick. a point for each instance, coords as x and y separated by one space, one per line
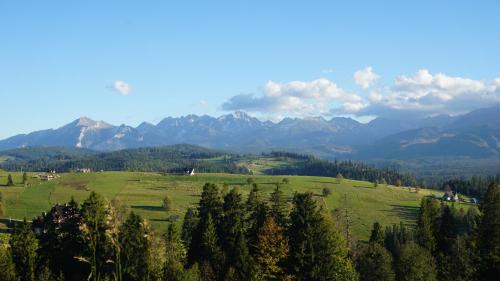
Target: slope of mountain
475 134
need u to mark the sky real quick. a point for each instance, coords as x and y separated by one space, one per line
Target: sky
134 61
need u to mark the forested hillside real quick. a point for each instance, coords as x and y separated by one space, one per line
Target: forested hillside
169 159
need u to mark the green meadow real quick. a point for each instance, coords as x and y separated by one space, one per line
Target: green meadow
143 194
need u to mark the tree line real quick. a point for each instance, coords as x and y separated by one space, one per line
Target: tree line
170 159
475 186
311 166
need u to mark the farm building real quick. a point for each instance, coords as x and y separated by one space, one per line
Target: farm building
450 195
46 177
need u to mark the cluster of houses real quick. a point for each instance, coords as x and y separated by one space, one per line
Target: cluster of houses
452 196
51 174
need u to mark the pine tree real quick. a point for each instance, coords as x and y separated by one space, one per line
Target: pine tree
167 203
241 260
489 234
317 251
24 247
446 240
279 209
210 205
175 255
233 234
10 181
377 234
94 228
189 226
415 264
134 248
427 219
210 254
326 191
256 210
272 249
375 264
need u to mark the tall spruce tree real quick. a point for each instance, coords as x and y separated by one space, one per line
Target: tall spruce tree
175 255
377 234
241 260
189 226
234 240
24 247
489 234
279 208
256 214
427 221
317 251
446 241
94 227
210 205
134 248
210 254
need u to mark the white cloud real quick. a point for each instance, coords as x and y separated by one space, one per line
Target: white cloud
374 96
122 87
429 94
418 95
365 77
300 98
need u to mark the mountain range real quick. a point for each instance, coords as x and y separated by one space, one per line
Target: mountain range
475 135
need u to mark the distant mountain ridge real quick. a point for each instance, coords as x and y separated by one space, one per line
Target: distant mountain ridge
475 134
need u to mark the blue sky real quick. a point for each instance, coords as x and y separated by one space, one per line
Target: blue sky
134 61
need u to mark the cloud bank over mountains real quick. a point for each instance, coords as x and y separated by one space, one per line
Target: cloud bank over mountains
418 95
300 98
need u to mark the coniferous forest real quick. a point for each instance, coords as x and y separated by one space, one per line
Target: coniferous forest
257 237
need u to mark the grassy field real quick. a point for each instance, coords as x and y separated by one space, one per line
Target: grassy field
143 193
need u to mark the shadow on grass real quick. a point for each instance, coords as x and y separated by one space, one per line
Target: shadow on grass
158 187
148 208
160 220
405 212
364 186
327 182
